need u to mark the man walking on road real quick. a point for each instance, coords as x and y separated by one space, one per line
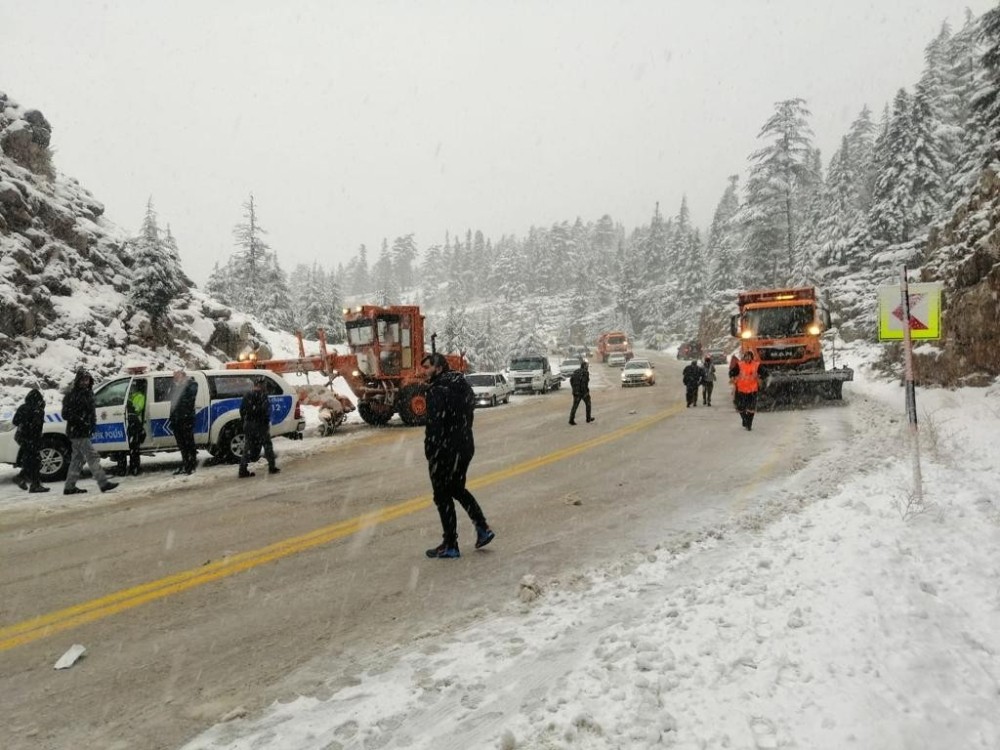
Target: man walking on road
183 397
691 377
80 414
747 375
707 381
579 381
449 448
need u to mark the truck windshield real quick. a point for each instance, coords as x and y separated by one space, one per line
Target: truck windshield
776 322
616 340
527 363
360 332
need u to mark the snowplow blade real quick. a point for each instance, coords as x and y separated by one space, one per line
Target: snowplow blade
799 385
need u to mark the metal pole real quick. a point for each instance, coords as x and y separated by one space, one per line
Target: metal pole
911 391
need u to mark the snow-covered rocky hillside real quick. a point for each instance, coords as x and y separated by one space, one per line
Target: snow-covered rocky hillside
66 275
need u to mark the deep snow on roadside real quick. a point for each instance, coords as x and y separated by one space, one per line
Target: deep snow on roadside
838 614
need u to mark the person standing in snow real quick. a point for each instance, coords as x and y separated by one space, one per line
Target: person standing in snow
80 414
579 382
255 413
746 376
28 419
691 378
708 378
449 448
183 398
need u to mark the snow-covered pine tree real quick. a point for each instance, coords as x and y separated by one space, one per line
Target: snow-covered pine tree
153 286
404 254
778 174
248 263
723 240
890 219
987 101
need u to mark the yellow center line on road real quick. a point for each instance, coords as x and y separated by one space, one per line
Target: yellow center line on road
49 624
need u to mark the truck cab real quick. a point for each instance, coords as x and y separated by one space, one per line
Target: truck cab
532 373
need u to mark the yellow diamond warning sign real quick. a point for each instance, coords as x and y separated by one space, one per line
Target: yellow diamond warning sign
925 312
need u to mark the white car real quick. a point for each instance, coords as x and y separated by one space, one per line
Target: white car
491 388
570 365
638 372
616 359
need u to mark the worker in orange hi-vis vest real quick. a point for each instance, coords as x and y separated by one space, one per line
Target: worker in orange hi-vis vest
746 375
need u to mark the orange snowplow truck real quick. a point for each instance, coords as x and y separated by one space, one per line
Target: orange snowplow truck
383 368
782 327
614 341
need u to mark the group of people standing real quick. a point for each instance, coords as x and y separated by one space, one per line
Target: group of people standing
745 374
80 415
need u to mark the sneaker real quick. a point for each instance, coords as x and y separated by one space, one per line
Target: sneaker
38 488
20 483
109 486
246 474
273 470
74 491
442 552
484 536
178 471
572 422
591 419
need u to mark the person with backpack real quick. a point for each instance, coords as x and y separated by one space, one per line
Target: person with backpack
449 448
29 419
579 382
80 415
255 411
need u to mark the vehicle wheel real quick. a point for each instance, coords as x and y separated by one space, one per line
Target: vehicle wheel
545 388
493 401
374 413
54 458
506 399
411 403
231 443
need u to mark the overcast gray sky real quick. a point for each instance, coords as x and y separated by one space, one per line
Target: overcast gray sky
357 121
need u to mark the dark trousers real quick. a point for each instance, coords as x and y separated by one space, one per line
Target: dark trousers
746 403
691 392
576 402
31 463
448 474
706 393
184 435
253 441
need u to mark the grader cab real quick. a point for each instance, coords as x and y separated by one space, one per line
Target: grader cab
383 368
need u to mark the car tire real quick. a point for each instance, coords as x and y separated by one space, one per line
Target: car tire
232 442
53 458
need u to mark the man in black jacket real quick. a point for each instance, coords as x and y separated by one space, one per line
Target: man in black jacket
579 381
449 448
692 377
255 411
183 399
81 418
28 419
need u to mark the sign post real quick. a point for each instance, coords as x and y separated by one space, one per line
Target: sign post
911 389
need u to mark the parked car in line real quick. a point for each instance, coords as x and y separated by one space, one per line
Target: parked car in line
217 426
638 372
689 350
491 388
532 373
578 350
719 356
569 365
617 359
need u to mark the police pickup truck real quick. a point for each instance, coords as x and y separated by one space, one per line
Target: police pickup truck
217 428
